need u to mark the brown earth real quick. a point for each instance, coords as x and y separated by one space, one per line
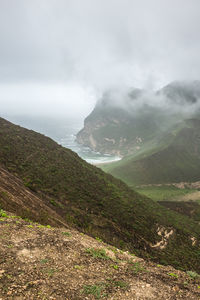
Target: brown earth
42 262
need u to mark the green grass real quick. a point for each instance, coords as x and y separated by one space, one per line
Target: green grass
193 275
173 275
3 214
175 199
95 290
102 289
174 158
66 233
120 283
97 253
136 267
160 193
44 261
116 267
92 201
169 165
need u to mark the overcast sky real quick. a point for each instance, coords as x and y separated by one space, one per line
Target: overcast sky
58 56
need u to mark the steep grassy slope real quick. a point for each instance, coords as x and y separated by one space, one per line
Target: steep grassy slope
188 208
177 160
96 203
17 198
39 262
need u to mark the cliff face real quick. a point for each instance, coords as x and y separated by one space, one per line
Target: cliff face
114 129
105 131
125 124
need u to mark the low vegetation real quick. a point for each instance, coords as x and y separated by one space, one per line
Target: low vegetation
67 191
97 253
40 262
175 158
164 192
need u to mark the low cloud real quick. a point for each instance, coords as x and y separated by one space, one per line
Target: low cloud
46 100
49 47
177 98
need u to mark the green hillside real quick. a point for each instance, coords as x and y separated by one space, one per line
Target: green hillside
94 202
177 160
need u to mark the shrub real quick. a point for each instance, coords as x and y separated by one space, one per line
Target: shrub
193 274
97 253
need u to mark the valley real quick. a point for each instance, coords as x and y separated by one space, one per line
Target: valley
159 145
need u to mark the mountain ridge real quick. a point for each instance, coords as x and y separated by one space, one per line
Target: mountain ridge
89 200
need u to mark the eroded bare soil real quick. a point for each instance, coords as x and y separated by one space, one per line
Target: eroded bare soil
37 262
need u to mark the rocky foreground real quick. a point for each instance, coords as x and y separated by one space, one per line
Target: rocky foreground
42 262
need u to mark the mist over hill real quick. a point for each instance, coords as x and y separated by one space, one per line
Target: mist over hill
125 122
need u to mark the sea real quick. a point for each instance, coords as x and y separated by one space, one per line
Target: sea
63 131
69 141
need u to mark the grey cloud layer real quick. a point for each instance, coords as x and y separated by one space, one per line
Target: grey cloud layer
100 42
59 53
